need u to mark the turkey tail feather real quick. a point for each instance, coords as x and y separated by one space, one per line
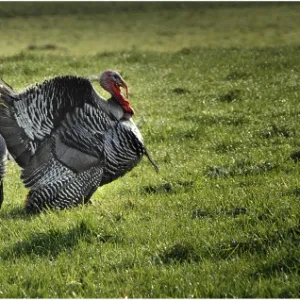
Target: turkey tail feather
9 127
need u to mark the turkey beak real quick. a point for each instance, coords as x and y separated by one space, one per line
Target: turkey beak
124 85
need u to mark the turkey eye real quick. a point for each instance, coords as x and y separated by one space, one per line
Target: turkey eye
116 78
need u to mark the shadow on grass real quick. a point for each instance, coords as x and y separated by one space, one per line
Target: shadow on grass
295 156
230 249
239 168
256 244
286 264
15 213
275 130
237 75
177 253
200 213
232 95
168 187
53 242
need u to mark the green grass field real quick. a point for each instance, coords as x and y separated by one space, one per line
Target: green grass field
216 90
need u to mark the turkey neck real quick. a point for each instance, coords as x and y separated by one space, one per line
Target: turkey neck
117 110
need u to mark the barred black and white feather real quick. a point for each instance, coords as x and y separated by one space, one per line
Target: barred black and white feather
3 156
67 140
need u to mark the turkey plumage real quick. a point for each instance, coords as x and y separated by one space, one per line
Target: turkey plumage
3 155
68 140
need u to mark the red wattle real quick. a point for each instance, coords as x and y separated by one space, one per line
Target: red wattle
122 101
126 106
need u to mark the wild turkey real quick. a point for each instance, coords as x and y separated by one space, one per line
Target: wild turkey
68 140
3 153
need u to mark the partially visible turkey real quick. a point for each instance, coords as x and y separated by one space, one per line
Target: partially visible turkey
68 140
3 154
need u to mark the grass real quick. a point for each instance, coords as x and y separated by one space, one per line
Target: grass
218 106
91 28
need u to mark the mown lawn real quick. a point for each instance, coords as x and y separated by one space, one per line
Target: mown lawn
216 92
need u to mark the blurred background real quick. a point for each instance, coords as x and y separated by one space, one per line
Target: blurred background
80 28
